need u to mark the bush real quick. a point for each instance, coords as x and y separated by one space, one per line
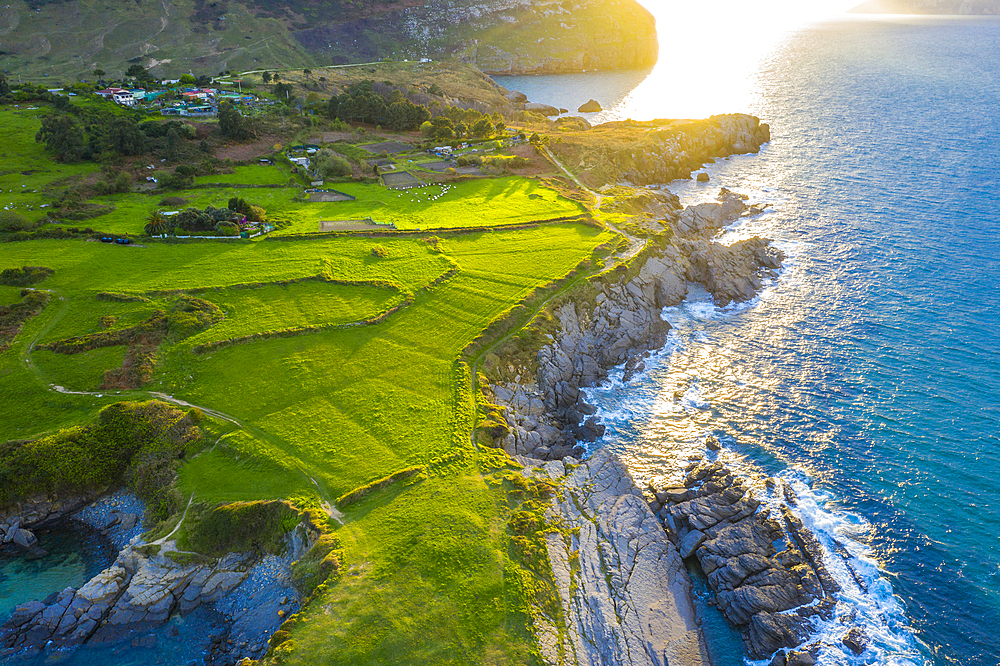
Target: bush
331 165
379 252
90 457
227 229
241 527
257 214
13 221
23 277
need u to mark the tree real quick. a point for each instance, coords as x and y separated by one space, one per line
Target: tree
266 77
4 86
187 79
125 138
283 91
137 72
307 72
99 73
173 139
331 165
483 128
157 224
233 124
461 129
64 136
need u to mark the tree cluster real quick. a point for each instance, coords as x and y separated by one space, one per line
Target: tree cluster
78 134
366 103
457 123
234 125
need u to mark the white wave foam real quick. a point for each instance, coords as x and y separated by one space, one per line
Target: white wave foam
866 599
693 399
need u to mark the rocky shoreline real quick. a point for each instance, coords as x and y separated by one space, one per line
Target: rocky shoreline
624 593
619 323
772 596
148 584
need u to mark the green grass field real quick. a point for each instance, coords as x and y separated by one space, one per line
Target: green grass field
478 202
325 411
28 172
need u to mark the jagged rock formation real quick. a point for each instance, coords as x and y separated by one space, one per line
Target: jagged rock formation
955 7
625 596
140 592
500 36
714 518
620 321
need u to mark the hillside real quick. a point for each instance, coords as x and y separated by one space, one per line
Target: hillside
942 7
71 38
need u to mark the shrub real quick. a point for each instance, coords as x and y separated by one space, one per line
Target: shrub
331 165
257 214
241 527
23 277
13 221
227 229
89 457
379 252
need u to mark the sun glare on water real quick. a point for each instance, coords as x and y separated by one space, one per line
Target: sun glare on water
710 53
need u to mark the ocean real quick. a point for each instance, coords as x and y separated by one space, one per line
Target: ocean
867 373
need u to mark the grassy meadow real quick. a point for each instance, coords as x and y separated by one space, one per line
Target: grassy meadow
323 413
337 363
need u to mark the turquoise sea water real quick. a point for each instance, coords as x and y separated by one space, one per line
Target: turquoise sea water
868 372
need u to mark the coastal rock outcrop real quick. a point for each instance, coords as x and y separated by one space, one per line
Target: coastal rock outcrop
593 106
145 587
543 109
625 595
657 152
716 519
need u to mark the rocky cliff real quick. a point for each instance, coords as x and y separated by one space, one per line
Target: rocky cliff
659 151
617 320
503 36
624 593
950 7
147 585
771 594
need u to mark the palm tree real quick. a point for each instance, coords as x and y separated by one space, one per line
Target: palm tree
157 224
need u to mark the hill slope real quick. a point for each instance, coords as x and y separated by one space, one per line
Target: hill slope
951 7
67 38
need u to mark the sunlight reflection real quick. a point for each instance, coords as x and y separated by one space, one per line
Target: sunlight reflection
710 54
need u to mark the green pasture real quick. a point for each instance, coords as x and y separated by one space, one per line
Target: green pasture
79 372
427 579
474 202
276 307
28 172
249 175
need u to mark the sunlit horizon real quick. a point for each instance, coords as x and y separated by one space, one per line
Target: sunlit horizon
710 53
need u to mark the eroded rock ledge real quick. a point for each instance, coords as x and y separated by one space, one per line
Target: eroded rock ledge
625 595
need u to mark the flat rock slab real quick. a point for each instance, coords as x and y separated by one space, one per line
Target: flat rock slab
628 602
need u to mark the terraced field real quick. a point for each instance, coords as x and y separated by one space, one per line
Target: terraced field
325 411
